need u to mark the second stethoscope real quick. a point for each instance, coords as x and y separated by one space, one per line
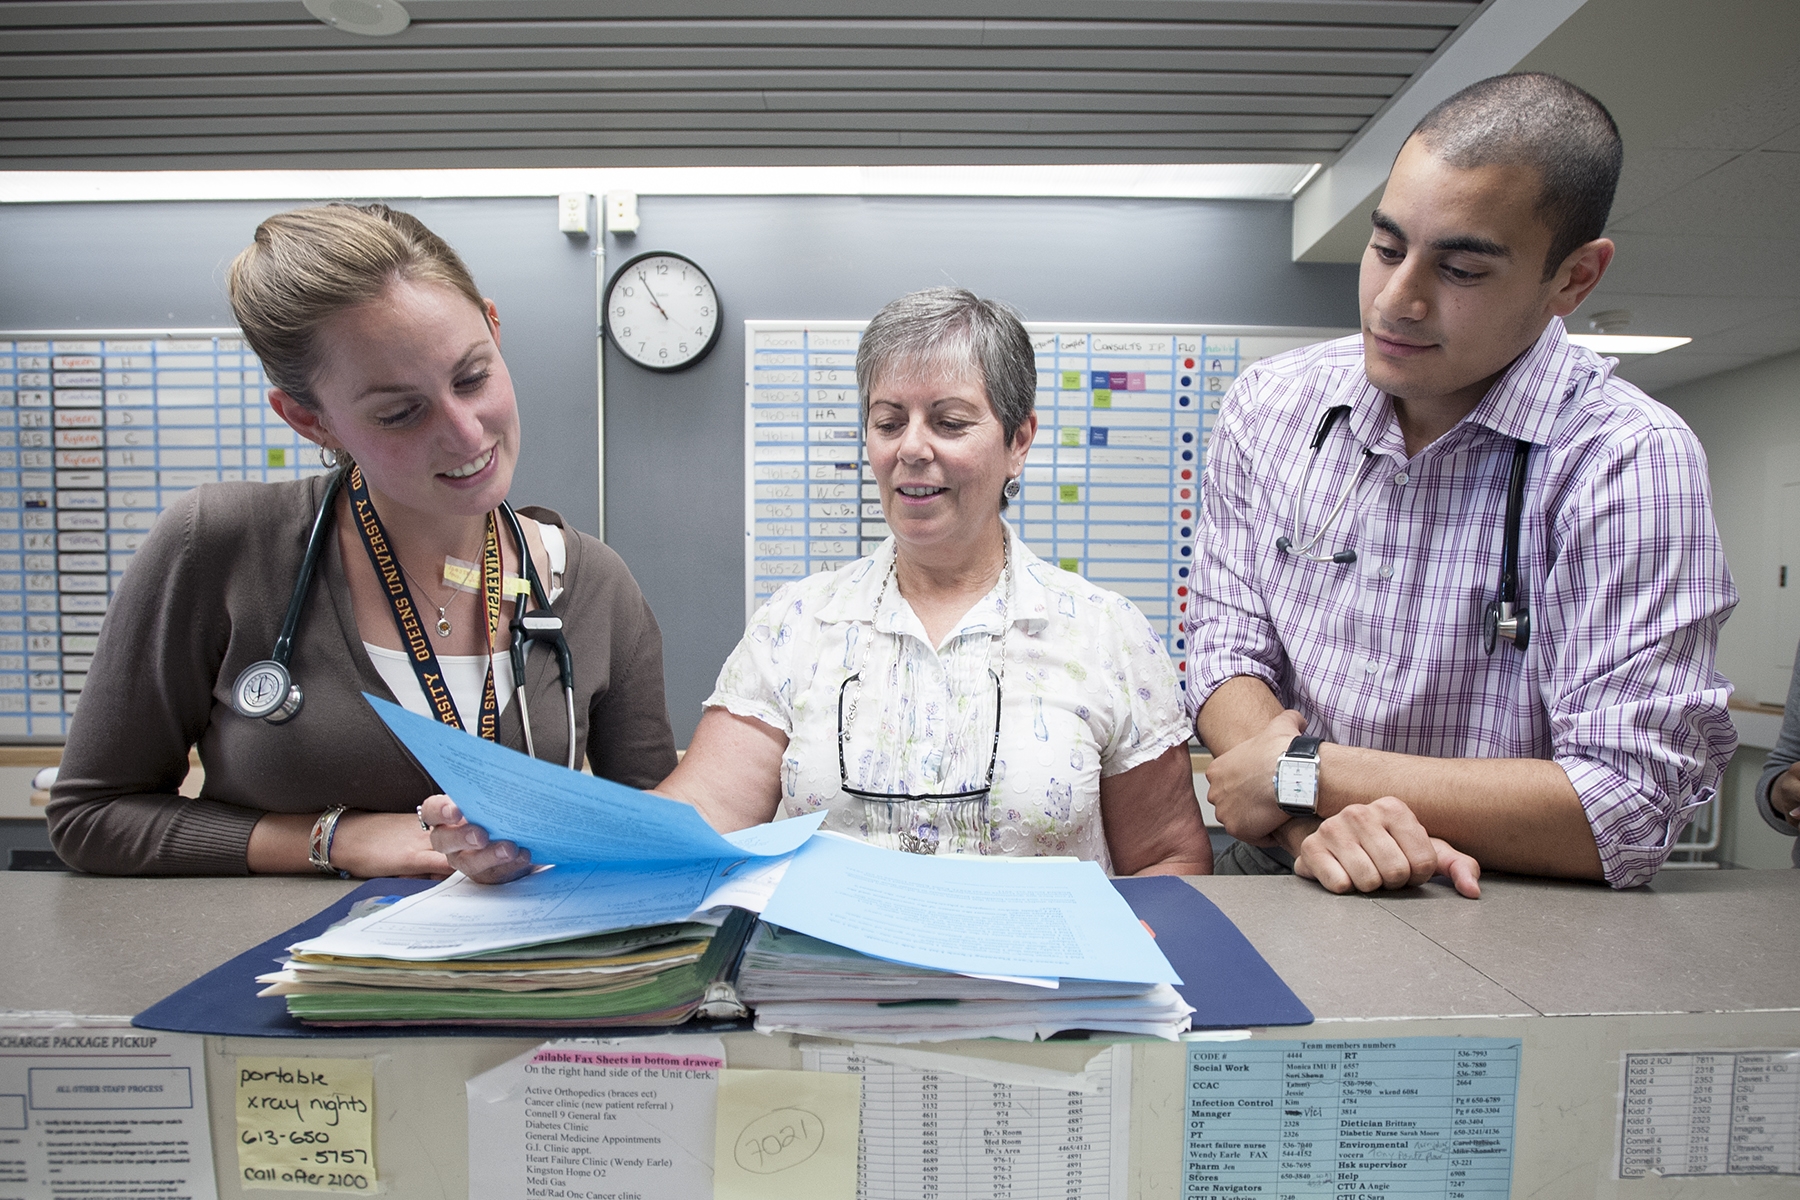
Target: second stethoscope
265 690
1503 617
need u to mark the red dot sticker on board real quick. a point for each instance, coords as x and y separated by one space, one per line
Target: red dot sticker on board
1188 363
1184 493
1184 606
1181 666
1186 512
1181 591
1186 474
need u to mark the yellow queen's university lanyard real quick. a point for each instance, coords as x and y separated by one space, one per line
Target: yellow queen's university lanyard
419 653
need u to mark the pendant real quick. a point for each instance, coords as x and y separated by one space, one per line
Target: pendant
443 625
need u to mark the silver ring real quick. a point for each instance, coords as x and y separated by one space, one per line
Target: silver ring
423 823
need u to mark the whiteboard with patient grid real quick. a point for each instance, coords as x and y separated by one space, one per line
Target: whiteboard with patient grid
1125 413
99 432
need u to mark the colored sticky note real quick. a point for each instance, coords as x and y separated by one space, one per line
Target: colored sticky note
1071 381
1070 564
1102 379
1134 381
1118 381
786 1135
306 1124
1096 435
277 457
1102 398
1071 435
1069 493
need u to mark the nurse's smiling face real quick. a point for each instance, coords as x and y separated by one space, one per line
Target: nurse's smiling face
413 386
941 457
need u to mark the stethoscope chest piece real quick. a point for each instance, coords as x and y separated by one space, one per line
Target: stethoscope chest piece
1501 619
265 692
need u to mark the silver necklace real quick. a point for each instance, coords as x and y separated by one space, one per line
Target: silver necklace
443 621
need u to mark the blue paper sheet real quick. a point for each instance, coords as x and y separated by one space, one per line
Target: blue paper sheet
563 816
978 915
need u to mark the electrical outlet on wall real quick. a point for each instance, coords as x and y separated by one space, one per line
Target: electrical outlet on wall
621 212
572 212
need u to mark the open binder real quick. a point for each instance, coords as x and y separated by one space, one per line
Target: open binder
1226 981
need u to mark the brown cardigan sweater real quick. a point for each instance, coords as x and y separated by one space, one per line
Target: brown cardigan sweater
205 597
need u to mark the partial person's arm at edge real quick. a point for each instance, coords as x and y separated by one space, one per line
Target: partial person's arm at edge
1152 819
1778 789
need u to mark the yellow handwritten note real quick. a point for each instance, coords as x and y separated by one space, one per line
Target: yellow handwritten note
786 1135
306 1124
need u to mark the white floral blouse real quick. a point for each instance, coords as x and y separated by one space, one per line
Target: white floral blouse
1086 690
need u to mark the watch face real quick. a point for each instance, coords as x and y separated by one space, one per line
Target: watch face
1297 784
662 311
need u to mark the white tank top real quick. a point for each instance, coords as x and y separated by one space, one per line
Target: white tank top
465 674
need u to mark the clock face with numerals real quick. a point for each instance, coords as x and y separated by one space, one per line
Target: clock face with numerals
662 311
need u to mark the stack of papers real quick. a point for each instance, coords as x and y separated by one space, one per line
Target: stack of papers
659 975
799 984
645 916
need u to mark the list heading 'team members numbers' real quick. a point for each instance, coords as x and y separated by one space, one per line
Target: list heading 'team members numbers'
1111 484
99 432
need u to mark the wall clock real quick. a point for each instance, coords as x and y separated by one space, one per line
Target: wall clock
662 311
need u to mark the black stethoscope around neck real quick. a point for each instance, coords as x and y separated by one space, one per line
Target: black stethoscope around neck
266 690
1503 617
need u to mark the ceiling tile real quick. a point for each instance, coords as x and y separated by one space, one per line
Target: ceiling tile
1776 333
1654 372
1755 194
1694 316
1652 173
1678 265
1764 110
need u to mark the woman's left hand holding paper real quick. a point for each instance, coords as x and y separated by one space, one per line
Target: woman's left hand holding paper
468 847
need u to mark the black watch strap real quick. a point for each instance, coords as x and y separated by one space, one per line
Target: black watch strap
1304 747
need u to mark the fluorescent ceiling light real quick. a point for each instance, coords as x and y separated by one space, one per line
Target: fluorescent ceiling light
1626 343
1174 181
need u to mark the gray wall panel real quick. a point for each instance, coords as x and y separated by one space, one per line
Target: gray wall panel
675 442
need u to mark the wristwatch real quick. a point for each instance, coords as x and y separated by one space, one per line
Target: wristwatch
1297 777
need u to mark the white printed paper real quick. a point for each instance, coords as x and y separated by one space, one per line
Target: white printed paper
980 1135
102 1111
588 1117
1710 1112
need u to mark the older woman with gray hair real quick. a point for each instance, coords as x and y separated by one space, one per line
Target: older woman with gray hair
951 693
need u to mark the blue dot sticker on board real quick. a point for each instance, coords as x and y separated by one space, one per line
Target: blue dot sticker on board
1096 435
1187 551
1184 402
1187 437
1187 456
1187 381
1182 572
1187 531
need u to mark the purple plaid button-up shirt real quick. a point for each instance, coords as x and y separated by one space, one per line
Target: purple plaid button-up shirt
1620 568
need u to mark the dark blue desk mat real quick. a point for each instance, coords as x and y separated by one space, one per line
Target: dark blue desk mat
1228 983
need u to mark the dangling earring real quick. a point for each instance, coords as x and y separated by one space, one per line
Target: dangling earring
1012 489
328 456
